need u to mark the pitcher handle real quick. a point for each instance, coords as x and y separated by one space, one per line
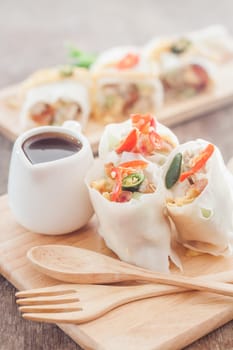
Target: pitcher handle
73 125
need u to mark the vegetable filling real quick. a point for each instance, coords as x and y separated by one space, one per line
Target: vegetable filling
124 182
186 81
56 113
118 100
143 138
188 168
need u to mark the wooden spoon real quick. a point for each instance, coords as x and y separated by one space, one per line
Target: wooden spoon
76 265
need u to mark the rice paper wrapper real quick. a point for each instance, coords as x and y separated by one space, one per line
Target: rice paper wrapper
114 133
205 224
214 42
53 75
69 91
137 231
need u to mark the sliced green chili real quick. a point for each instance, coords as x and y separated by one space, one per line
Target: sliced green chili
180 46
132 182
174 171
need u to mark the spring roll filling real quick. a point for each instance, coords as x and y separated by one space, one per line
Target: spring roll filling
124 98
56 113
185 81
123 182
144 138
191 182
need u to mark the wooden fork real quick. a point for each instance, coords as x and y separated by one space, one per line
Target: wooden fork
79 303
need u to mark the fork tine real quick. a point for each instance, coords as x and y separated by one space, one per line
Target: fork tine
62 317
51 308
54 290
57 299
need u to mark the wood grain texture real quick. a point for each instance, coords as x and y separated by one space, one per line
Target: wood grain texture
166 322
29 40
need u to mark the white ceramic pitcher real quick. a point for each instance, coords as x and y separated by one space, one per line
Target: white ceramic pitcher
51 197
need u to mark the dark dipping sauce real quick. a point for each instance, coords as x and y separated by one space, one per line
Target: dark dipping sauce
50 146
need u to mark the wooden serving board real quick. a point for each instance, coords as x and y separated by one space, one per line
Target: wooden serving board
169 115
168 322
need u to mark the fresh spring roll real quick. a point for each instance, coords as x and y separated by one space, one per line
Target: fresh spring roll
124 84
200 198
182 69
213 43
129 202
54 95
140 134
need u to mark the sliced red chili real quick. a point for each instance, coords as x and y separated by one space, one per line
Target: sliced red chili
129 142
128 61
199 163
137 163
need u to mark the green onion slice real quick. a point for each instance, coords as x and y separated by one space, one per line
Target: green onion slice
206 213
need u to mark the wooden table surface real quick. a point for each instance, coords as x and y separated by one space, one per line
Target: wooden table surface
32 35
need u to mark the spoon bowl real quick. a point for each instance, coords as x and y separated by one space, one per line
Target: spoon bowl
77 265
